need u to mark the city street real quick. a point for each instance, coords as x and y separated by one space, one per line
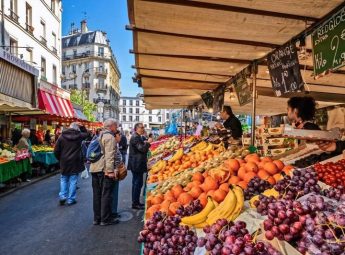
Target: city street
36 224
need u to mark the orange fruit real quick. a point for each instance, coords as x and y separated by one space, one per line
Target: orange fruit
249 176
251 167
243 184
234 180
278 177
288 169
263 174
279 164
271 168
266 159
241 173
271 180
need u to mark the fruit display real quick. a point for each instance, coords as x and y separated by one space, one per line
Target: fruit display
312 159
7 154
331 173
226 237
337 193
42 148
167 146
164 235
193 208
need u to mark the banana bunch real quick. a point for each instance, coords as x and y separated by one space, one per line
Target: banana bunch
208 148
160 165
230 208
199 219
188 140
178 155
200 146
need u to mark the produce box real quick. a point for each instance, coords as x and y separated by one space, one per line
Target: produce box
271 131
275 152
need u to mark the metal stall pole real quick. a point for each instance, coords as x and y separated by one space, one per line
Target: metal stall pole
252 140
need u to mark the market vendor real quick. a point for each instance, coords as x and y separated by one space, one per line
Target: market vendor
231 122
301 112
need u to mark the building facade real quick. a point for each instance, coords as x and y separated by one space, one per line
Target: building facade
88 64
132 110
32 32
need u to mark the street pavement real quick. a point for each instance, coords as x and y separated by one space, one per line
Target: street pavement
32 222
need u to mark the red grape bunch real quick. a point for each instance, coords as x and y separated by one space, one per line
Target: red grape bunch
303 181
331 173
193 208
337 193
255 187
228 238
162 235
285 221
263 202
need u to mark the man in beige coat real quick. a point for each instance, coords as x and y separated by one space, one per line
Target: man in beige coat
104 174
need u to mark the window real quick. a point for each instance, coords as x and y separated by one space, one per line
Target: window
136 118
13 10
13 47
145 125
167 115
28 18
54 75
63 71
30 55
130 102
43 68
43 26
124 110
137 103
54 40
64 55
101 82
52 6
86 66
74 68
137 110
130 110
101 51
159 119
124 102
150 111
74 53
150 118
130 118
123 117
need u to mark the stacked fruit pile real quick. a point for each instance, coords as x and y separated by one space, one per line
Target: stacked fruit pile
42 148
331 173
167 146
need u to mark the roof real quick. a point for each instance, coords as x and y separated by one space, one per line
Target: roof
185 48
84 38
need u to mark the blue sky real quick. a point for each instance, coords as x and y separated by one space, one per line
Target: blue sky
109 16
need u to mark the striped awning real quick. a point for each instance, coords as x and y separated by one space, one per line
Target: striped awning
55 105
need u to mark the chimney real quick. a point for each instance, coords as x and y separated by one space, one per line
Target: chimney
84 28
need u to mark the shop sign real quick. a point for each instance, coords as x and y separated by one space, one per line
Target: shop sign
328 42
6 55
54 90
284 70
218 99
243 88
207 97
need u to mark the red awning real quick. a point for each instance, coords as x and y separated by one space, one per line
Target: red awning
55 105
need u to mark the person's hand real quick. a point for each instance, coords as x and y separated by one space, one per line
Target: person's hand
150 140
218 125
110 175
116 174
327 146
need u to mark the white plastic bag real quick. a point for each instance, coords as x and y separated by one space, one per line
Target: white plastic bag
84 174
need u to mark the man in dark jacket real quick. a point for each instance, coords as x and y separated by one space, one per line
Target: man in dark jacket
123 146
68 151
137 162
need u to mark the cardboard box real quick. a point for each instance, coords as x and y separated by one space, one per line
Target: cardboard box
271 131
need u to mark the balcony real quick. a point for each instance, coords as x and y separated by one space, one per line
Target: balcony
43 40
101 88
73 86
14 16
29 28
86 85
100 71
97 100
78 55
54 50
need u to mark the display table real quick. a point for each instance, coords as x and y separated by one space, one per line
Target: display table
46 158
13 169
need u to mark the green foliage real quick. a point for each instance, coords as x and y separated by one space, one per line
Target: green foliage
80 98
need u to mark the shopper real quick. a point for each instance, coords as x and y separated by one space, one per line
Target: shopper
25 143
137 162
123 147
68 151
301 112
47 137
118 161
103 175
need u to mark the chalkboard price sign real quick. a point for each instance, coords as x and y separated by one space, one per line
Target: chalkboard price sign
243 89
329 44
218 99
207 97
284 70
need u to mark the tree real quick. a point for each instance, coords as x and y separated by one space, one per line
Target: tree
80 98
